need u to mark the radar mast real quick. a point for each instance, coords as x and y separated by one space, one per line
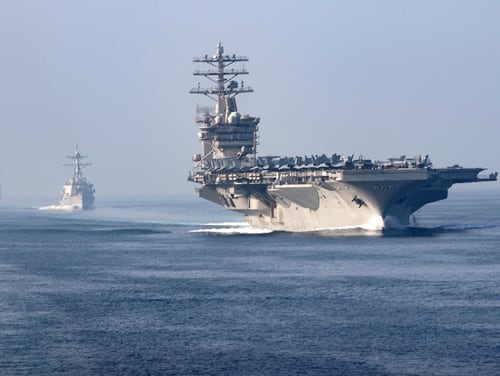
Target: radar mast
77 165
224 133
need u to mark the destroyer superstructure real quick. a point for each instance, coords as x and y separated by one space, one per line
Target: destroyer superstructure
303 193
78 192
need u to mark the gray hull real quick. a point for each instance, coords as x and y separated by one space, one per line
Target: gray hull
373 199
78 201
78 192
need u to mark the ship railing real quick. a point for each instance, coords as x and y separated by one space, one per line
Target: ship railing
267 177
216 90
215 72
215 58
307 174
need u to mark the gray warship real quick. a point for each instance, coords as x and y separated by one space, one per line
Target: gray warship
303 193
78 192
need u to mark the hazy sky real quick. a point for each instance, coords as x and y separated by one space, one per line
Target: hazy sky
377 78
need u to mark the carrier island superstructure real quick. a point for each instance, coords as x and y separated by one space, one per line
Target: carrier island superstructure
308 193
78 192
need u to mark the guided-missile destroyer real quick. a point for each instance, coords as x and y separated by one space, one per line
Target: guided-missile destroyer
304 193
78 192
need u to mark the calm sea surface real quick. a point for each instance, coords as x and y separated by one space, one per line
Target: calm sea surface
180 286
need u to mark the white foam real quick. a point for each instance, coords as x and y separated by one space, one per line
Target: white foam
58 207
232 228
228 224
376 223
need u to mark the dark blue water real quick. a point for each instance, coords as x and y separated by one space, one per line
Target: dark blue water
135 288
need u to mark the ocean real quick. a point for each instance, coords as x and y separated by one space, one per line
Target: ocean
179 286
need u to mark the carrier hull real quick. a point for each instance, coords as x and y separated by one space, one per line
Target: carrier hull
372 199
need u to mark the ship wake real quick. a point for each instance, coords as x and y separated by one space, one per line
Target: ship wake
59 208
231 228
374 226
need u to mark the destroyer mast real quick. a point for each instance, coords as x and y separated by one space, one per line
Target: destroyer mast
77 165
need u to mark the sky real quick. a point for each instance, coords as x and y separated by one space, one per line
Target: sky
373 78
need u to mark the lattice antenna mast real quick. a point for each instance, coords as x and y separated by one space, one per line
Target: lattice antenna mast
77 164
225 133
221 76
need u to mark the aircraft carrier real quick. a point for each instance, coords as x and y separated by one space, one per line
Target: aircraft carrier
303 193
78 192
